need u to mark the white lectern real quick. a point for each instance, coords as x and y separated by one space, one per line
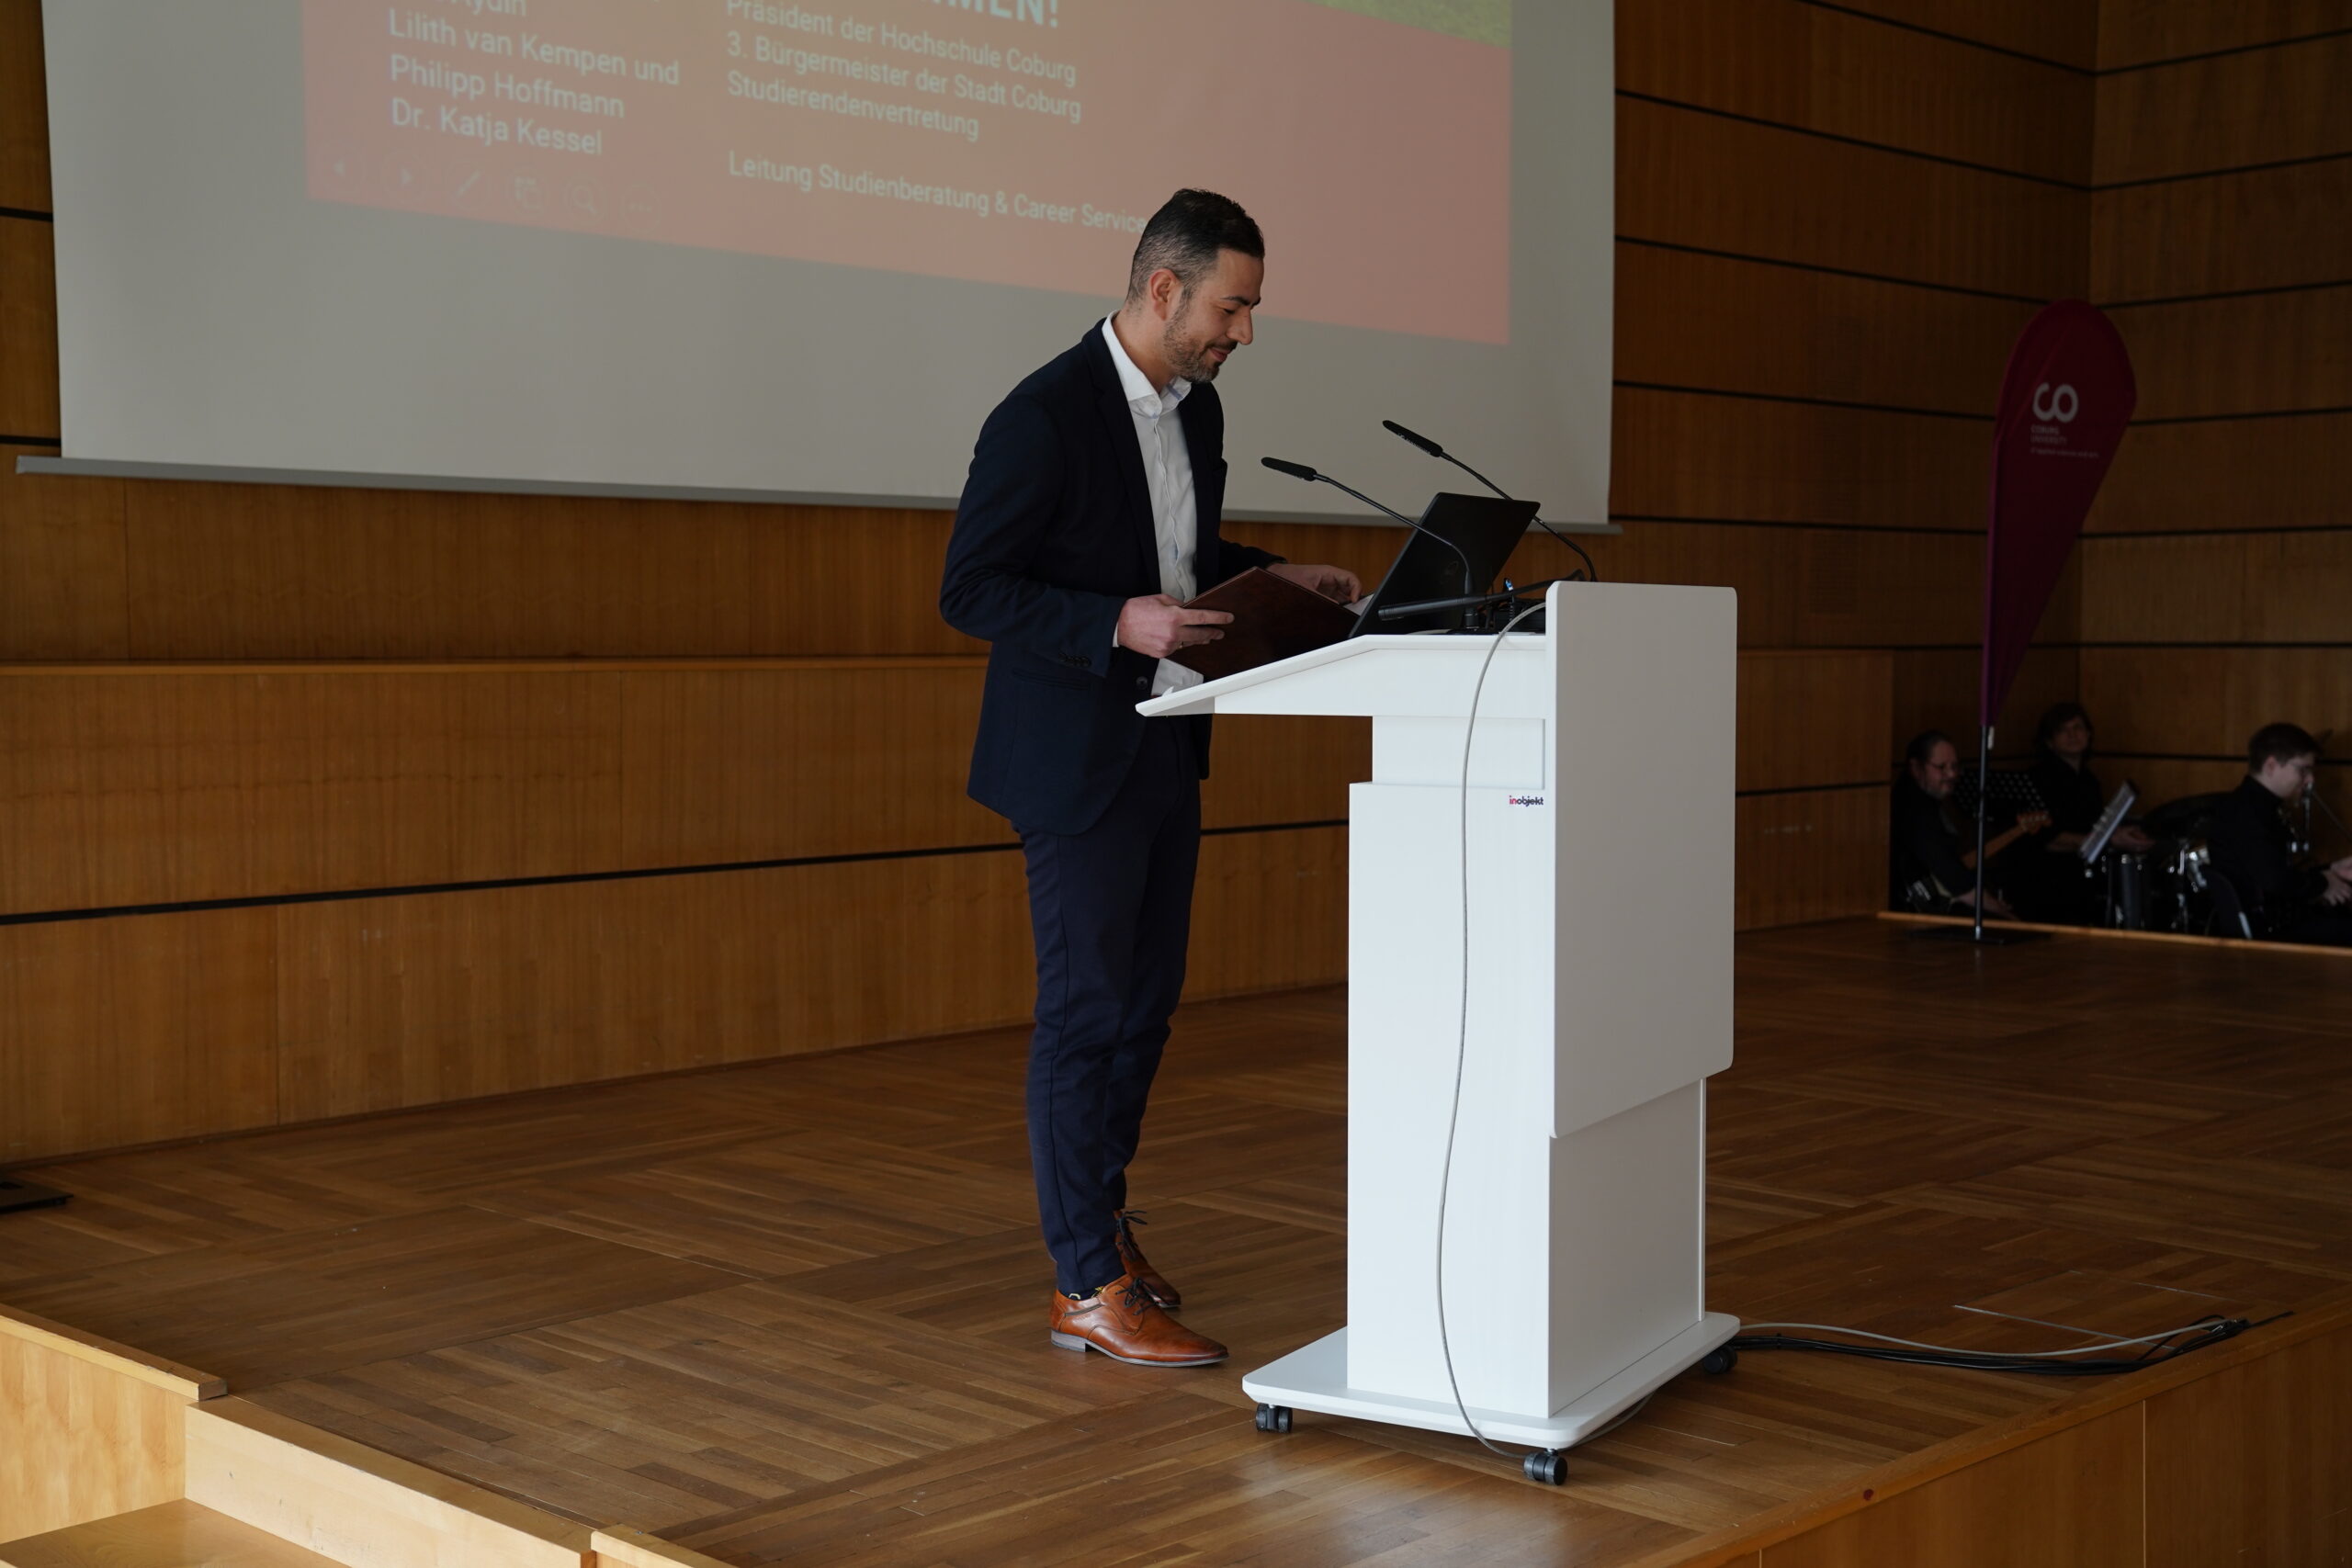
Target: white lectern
1598 816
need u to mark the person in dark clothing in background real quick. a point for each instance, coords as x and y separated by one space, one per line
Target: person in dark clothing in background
2044 874
1926 870
2251 846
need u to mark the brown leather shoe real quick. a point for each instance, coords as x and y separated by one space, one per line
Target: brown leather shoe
1123 1322
1140 1266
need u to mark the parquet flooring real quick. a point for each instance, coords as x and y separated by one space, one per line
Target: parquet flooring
790 1312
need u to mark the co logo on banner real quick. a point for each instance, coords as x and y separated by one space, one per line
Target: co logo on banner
2059 403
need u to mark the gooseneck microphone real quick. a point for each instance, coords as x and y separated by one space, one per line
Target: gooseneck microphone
1415 438
1301 471
1443 455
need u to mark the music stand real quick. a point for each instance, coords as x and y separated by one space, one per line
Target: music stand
1487 529
2095 843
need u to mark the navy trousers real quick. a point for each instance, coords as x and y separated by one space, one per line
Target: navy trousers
1112 910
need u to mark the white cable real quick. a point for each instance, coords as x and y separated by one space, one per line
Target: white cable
2105 1343
1462 1033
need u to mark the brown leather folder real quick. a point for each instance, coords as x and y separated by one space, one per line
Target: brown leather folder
1273 618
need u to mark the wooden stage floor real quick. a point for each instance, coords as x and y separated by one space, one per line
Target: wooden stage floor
792 1312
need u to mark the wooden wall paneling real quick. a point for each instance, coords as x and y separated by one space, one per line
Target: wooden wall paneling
64 569
89 1428
2252 473
1936 689
1291 769
2280 228
2190 589
1815 587
1812 855
2260 588
1691 178
2206 700
739 764
2252 353
139 786
135 1029
1270 912
2071 1500
1685 319
1854 76
2131 32
2063 35
2250 1465
236 572
24 109
401 1001
1688 454
405 1002
2263 106
132 788
1814 718
27 328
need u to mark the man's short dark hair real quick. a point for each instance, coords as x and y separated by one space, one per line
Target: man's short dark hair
2279 743
1185 235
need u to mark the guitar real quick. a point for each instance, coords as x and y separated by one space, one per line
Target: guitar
2026 822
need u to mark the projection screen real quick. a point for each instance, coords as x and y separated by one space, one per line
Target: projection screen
799 249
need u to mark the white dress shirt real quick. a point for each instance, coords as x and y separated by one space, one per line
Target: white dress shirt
1168 470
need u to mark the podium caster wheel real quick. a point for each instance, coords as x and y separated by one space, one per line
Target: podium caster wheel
1273 1417
1545 1467
1720 1360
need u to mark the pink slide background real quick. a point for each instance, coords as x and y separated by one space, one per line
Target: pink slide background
1377 155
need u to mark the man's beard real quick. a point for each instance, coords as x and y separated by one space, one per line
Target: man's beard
1191 361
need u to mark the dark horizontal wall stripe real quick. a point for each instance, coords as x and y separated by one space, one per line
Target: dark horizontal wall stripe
2238 758
2266 528
1784 522
2208 643
1853 140
2226 294
2219 53
1813 402
28 214
2219 174
31 441
1831 271
1949 38
1812 789
345 895
2254 413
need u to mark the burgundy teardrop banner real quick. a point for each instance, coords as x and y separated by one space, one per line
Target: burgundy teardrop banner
2066 400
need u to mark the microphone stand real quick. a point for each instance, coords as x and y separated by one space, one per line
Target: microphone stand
1984 800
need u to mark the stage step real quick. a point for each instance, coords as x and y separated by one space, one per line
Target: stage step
353 1505
169 1535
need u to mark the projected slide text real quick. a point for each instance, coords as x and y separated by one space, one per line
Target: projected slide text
1021 142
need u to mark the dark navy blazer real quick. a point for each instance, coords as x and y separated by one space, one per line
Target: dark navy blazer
1052 537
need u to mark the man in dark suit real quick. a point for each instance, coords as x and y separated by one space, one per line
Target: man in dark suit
1089 516
2251 846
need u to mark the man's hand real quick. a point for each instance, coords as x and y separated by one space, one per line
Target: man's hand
1994 906
1332 582
1156 626
2339 889
2131 841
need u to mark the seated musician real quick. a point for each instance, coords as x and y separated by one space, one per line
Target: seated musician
2253 847
2045 875
1927 871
